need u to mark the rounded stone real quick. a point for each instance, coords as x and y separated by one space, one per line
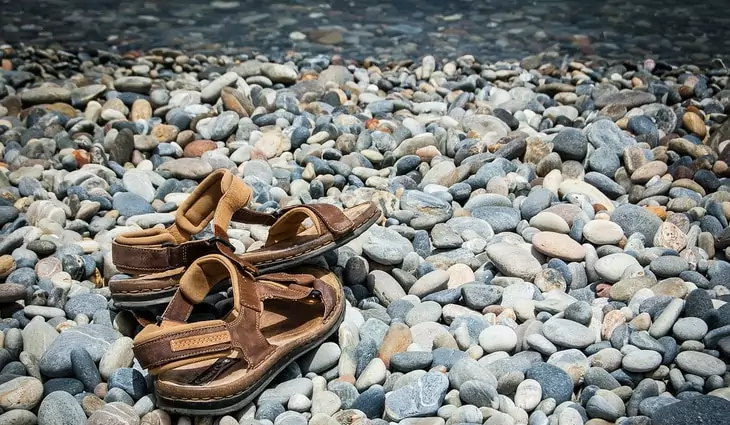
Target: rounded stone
602 232
21 393
568 334
498 338
641 361
690 328
528 394
700 364
60 408
558 245
513 261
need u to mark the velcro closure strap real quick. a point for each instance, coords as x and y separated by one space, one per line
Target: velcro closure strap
325 218
249 216
154 259
332 217
181 343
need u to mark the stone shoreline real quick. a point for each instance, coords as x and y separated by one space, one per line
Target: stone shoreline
553 250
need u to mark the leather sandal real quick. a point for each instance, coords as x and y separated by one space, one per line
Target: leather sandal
157 257
215 367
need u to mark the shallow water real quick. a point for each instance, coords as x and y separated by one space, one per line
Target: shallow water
669 30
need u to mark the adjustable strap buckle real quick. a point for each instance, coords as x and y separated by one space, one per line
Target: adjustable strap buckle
215 239
246 266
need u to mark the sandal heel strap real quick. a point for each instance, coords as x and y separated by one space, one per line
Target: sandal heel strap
217 198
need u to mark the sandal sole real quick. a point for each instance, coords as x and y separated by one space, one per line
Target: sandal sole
143 301
231 404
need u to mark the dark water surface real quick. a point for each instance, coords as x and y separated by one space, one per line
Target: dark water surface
670 30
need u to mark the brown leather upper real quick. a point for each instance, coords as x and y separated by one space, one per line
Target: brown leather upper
172 342
222 198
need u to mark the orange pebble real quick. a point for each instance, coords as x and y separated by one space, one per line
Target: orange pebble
660 212
82 157
372 124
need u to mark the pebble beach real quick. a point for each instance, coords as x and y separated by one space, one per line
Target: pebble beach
553 250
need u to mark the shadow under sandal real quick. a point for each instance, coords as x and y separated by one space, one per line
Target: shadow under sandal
219 366
160 256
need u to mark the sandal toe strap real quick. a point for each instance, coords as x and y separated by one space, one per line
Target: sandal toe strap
185 344
325 218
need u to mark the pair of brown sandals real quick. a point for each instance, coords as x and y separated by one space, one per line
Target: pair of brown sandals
214 367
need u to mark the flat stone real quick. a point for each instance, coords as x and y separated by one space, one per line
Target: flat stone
554 382
528 395
558 245
429 210
477 296
133 84
670 236
700 364
569 334
326 402
513 261
56 362
385 287
118 355
386 246
321 359
612 266
583 188
467 369
498 338
10 292
665 321
641 361
624 289
429 283
500 219
570 143
479 393
422 398
668 266
21 393
38 336
706 410
187 168
212 91
690 328
60 408
635 219
627 98
18 417
605 405
115 413
47 94
602 232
